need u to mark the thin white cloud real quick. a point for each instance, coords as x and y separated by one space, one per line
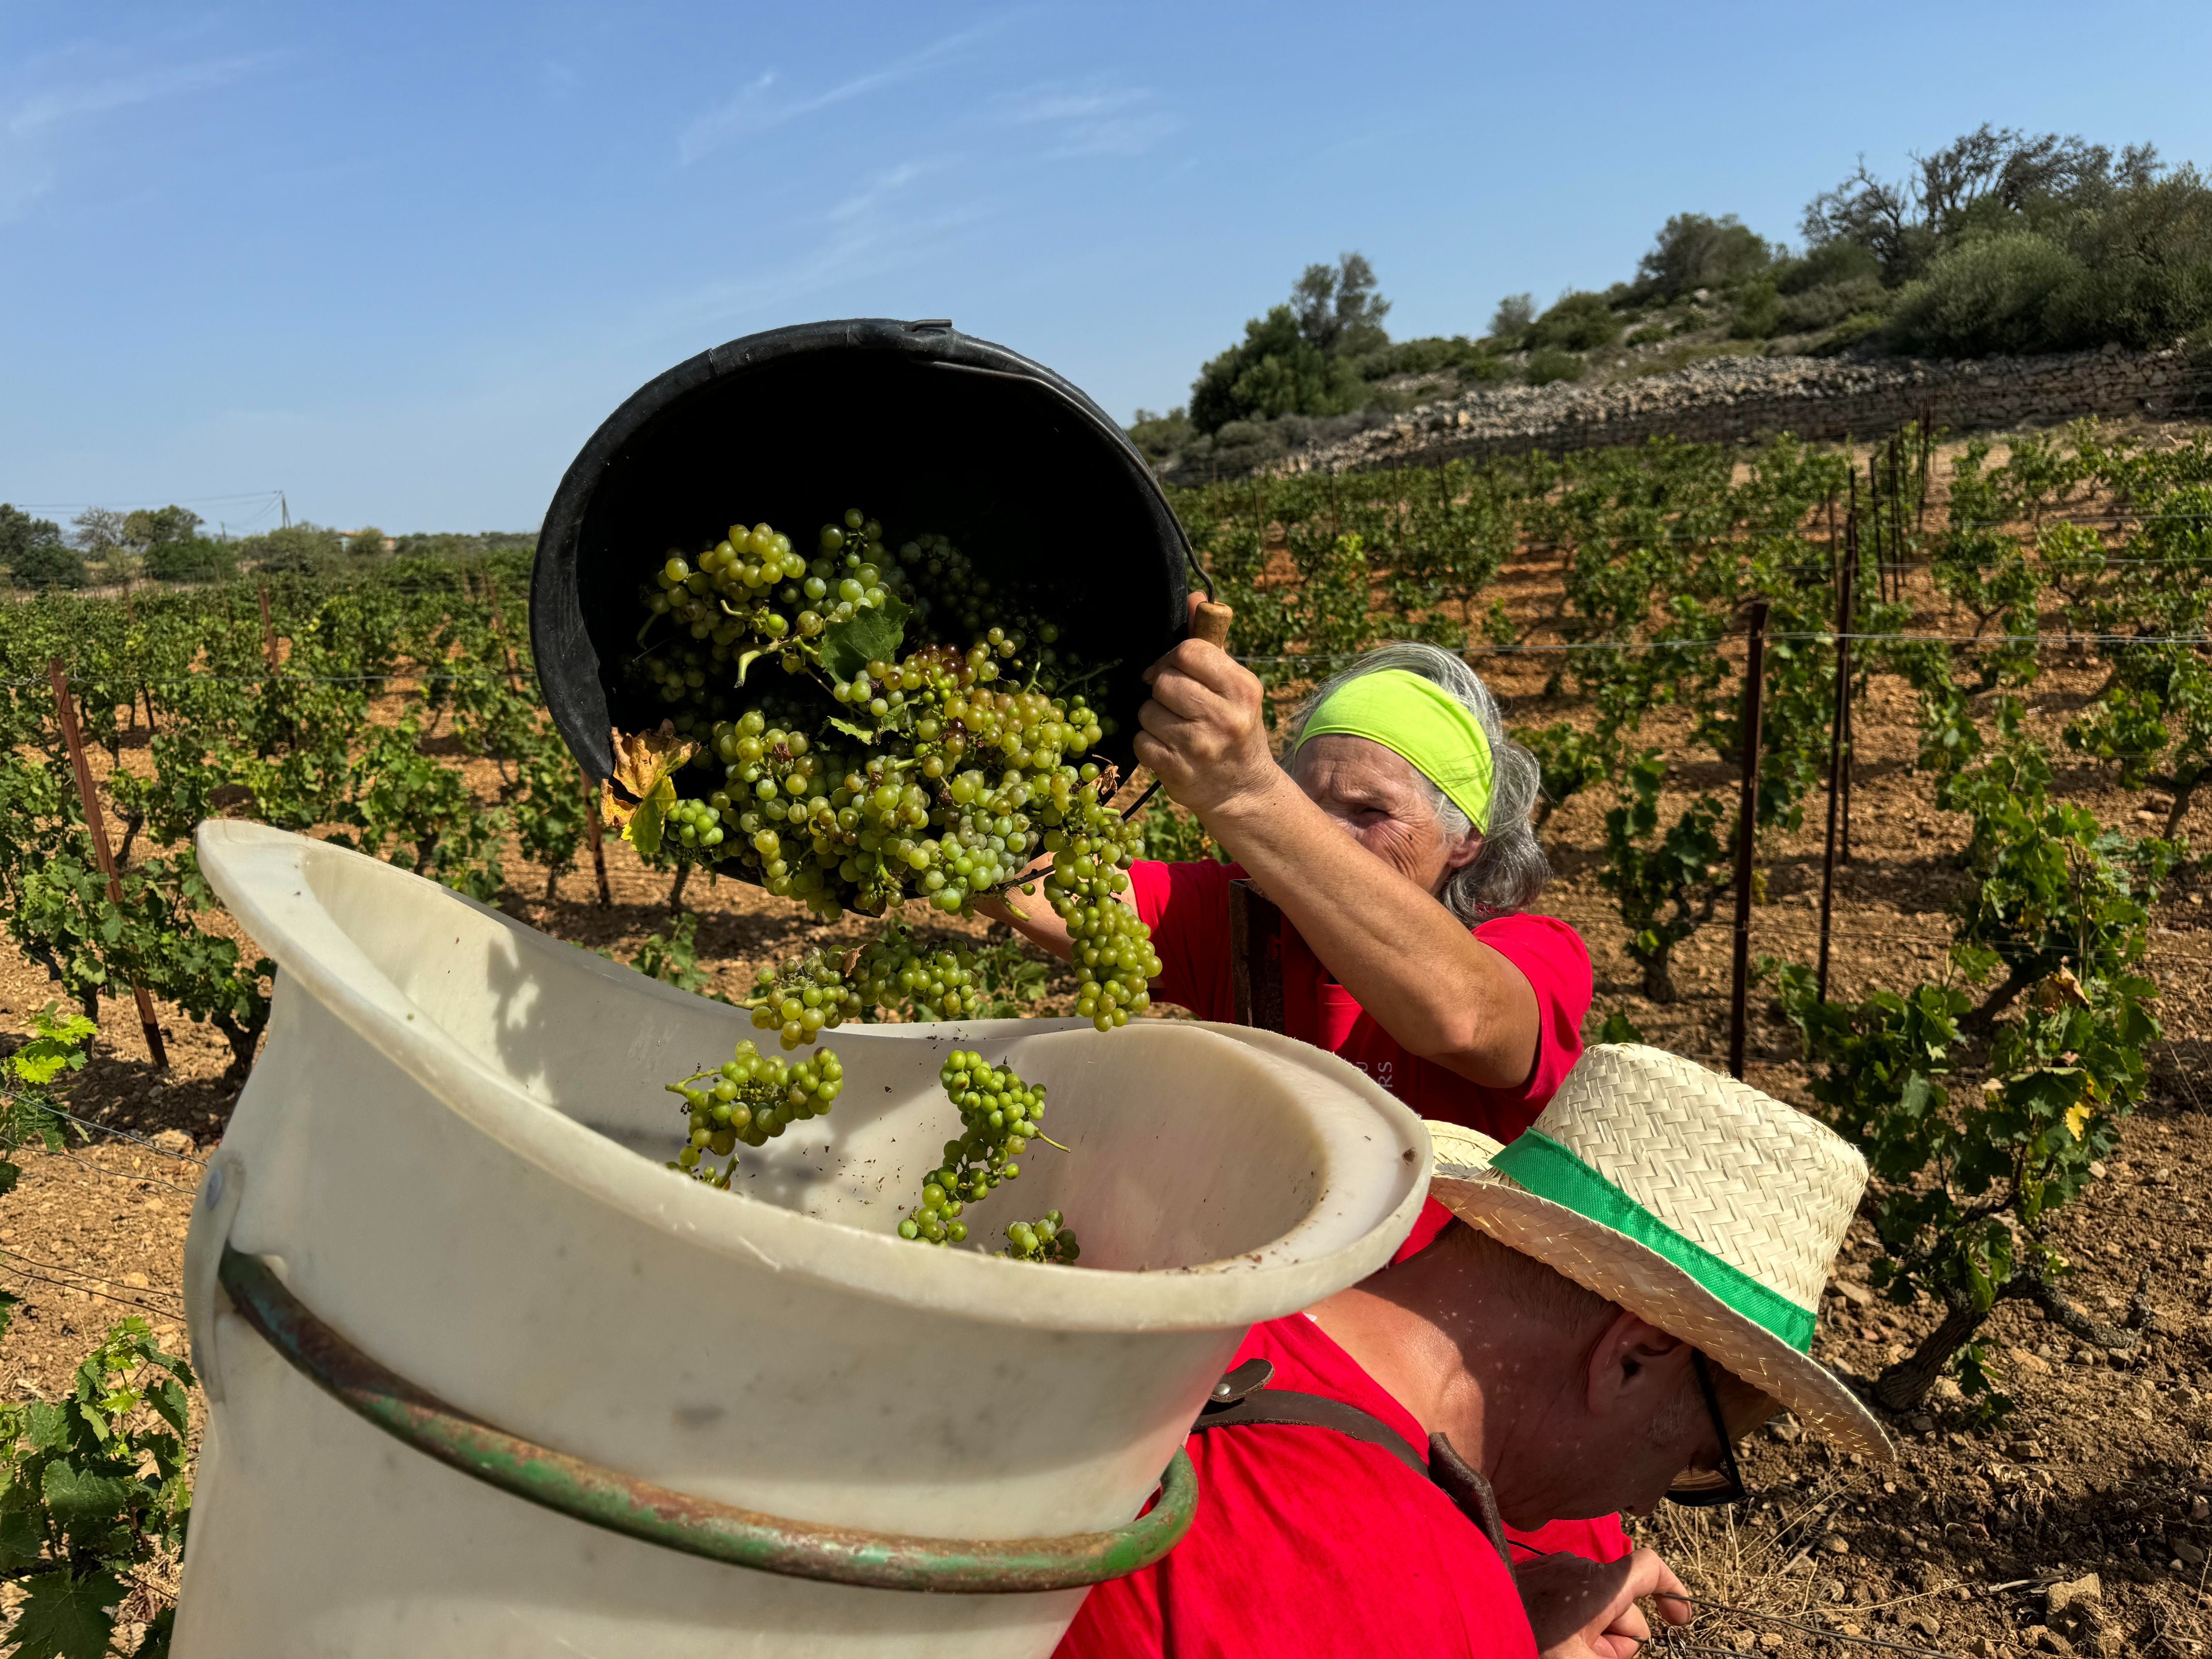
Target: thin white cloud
755 108
885 186
1119 121
868 237
58 105
31 128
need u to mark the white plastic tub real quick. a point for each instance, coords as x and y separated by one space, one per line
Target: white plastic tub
452 1150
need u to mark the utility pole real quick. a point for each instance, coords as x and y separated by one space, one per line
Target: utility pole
287 507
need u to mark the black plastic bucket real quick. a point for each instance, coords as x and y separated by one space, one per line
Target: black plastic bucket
923 428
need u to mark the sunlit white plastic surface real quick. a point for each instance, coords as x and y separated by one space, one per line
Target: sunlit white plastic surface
452 1149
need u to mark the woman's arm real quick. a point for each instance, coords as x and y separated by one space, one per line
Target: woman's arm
1041 925
1441 993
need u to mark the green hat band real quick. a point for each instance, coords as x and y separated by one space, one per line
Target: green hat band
1541 1165
1420 721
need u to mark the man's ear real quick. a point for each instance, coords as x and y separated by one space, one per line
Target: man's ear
1633 1364
1464 852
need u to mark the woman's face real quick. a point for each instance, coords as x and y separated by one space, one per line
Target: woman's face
1384 804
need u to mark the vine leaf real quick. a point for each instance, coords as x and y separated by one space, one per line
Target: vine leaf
645 763
868 635
66 1617
22 1540
79 1497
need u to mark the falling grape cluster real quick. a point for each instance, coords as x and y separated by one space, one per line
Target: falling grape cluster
918 735
800 998
870 729
895 971
999 1116
749 1100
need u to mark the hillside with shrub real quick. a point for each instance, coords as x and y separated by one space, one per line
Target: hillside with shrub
2000 243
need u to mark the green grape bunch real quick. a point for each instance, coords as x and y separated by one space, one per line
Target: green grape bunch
999 1116
864 730
1048 1239
749 1100
800 998
927 739
895 971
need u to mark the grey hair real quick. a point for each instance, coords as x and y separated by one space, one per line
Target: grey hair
1510 870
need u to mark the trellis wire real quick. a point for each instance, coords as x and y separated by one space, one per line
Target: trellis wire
87 1290
125 1134
66 1271
125 1175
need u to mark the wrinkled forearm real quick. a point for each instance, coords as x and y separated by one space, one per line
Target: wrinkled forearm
1438 991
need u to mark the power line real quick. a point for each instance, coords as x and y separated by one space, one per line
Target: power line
269 496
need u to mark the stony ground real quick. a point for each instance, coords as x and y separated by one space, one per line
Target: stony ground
2082 1522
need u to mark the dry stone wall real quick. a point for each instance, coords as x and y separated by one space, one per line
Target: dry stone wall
1732 399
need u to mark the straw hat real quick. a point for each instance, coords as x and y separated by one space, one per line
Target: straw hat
1694 1201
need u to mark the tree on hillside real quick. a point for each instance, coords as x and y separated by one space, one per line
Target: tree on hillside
1159 437
1990 179
1300 358
99 531
367 541
148 528
1339 309
1695 251
34 553
1514 314
1575 322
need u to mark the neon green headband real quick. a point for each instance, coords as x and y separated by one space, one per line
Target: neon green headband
1419 720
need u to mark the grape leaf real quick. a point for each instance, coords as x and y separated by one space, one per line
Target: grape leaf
868 635
77 1495
65 1618
167 1400
22 1540
644 763
46 1426
864 733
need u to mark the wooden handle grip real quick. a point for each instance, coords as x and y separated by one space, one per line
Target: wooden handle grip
1210 623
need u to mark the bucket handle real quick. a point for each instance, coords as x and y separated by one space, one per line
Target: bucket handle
697 1526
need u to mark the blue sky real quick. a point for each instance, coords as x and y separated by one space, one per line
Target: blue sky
398 260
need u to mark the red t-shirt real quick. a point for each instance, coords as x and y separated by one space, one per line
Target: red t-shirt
1187 908
1310 1543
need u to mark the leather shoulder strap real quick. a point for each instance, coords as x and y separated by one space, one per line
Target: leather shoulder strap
1311 1411
1243 1400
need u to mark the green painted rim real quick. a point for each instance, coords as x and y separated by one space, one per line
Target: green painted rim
697 1526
